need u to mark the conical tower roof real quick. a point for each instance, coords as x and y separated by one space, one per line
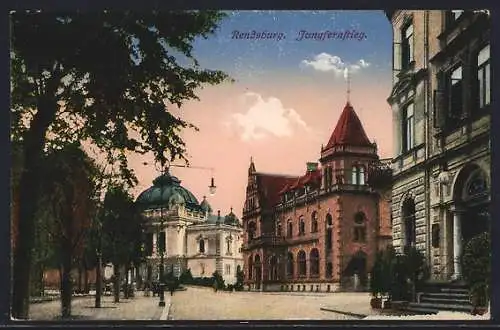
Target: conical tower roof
349 130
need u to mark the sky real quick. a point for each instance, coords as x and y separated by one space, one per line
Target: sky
290 70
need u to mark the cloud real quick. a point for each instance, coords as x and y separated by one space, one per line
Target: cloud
325 62
266 117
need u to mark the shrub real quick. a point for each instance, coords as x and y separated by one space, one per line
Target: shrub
186 277
240 277
476 268
218 280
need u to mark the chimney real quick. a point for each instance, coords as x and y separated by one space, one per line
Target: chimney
312 166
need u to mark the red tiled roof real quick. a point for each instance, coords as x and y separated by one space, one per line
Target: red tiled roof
270 186
349 130
309 177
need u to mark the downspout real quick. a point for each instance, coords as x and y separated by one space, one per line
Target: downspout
428 139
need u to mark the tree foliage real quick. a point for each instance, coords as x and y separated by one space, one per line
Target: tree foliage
476 267
110 79
119 75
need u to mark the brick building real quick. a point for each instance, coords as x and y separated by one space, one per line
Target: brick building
319 231
442 148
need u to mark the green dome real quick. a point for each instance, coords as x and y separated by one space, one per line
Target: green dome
167 190
205 206
231 219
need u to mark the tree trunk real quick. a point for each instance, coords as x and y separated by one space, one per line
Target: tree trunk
86 284
117 284
34 142
98 283
66 285
80 277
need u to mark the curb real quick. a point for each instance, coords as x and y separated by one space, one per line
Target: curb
356 315
166 312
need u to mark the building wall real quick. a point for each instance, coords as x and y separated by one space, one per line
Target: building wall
421 174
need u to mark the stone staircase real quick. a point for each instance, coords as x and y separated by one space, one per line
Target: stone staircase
435 297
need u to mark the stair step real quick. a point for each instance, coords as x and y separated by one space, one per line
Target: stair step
447 307
445 300
420 310
454 290
445 295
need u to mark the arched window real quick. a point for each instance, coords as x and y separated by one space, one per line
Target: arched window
362 175
202 245
329 219
329 270
314 222
314 262
279 229
250 267
273 268
301 260
409 222
289 265
258 268
252 228
354 175
359 227
289 229
302 226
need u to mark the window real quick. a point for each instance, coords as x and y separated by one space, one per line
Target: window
354 175
455 93
483 76
407 46
289 229
273 268
250 267
314 262
409 223
251 230
202 246
161 241
408 129
361 175
314 222
202 268
435 235
302 226
279 231
360 227
301 260
228 246
289 265
228 270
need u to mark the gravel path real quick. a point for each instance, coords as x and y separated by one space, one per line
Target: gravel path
204 304
137 308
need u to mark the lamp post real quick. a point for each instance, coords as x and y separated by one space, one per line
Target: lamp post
161 244
98 279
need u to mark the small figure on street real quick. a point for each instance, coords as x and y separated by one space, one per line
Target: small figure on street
171 288
215 286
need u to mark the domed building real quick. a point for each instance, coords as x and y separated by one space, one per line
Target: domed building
192 236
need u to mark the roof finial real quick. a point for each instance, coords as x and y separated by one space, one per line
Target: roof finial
348 77
231 209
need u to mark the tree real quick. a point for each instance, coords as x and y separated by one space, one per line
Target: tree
122 227
117 78
476 265
240 278
67 187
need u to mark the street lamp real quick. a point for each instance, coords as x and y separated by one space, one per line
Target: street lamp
162 169
98 283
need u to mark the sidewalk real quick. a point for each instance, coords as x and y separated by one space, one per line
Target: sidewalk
137 308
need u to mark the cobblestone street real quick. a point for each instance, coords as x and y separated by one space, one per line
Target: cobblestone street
137 308
205 304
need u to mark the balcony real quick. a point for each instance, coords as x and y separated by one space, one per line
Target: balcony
265 240
380 174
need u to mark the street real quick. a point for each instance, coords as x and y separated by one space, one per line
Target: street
199 303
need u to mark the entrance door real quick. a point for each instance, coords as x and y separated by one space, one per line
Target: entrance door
475 221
